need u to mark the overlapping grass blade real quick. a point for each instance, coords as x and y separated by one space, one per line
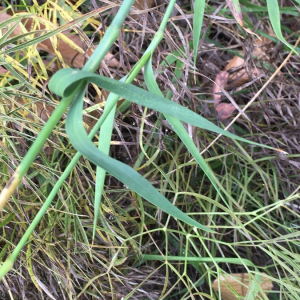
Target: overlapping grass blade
132 179
104 146
138 96
48 33
127 175
179 128
108 39
253 290
106 128
13 19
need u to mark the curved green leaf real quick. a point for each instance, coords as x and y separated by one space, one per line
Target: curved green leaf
78 137
274 14
132 179
124 173
136 95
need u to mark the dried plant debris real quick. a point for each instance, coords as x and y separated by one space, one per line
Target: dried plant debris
268 179
70 47
238 72
224 110
233 286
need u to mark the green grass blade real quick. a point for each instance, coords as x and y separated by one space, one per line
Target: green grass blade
7 34
108 39
274 14
16 19
103 146
197 25
179 128
132 179
136 95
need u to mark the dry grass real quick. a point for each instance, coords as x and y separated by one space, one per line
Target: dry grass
59 261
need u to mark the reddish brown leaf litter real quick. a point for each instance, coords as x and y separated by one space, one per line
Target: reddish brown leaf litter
238 72
223 110
220 83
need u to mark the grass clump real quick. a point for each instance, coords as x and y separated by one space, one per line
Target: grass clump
72 231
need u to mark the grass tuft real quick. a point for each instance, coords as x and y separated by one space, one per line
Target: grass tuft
71 229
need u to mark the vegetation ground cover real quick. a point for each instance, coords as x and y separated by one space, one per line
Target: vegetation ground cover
138 251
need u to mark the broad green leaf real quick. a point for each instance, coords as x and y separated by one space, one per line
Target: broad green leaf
79 139
197 24
132 179
124 173
137 95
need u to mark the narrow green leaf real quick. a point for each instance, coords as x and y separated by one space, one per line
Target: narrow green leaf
137 95
7 34
274 14
16 19
197 25
132 179
104 146
179 128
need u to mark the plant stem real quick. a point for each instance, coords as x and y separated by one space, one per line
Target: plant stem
111 102
106 129
107 41
111 35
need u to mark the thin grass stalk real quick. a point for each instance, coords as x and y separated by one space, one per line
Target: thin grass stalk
105 44
109 108
111 35
106 129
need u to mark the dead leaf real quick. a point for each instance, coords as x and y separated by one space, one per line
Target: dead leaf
219 84
223 110
235 8
238 284
237 74
3 71
70 46
243 75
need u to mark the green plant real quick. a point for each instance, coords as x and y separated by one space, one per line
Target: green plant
73 94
